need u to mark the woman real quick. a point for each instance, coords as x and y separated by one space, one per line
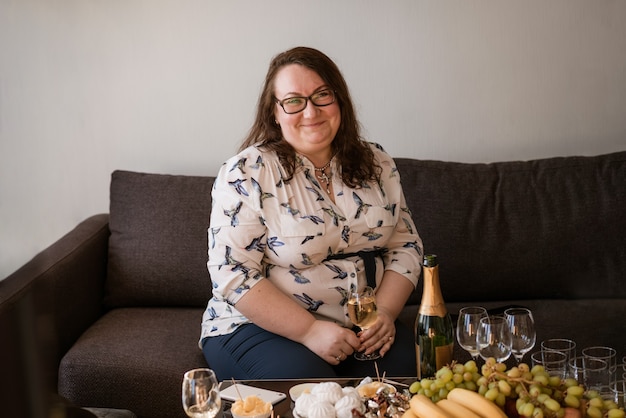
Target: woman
290 212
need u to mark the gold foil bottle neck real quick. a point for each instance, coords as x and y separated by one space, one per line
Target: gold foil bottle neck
432 300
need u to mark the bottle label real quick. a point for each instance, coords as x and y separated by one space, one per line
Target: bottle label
427 365
443 355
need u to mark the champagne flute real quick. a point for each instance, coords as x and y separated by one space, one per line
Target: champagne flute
363 314
523 333
494 338
201 395
467 328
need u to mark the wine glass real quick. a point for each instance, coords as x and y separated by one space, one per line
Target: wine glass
363 314
523 334
467 328
201 395
494 338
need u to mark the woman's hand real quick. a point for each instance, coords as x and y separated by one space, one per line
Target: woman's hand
330 341
391 295
379 336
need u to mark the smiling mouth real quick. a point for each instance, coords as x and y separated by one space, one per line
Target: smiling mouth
312 125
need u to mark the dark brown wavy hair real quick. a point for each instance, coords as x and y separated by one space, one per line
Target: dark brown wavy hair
353 154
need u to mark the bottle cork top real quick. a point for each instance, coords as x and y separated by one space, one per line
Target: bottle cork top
430 260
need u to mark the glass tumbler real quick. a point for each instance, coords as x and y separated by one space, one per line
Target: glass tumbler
552 361
609 356
563 345
596 375
555 363
618 392
575 369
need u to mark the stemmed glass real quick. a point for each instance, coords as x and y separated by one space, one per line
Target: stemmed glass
523 333
363 314
494 338
201 395
467 328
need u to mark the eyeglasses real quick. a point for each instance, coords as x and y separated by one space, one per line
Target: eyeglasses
297 104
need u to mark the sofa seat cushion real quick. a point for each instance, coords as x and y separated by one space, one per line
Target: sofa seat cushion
580 320
127 349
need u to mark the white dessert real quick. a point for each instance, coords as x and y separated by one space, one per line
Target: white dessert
328 391
331 400
345 405
321 409
304 402
351 391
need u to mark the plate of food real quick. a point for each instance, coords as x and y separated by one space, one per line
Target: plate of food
331 400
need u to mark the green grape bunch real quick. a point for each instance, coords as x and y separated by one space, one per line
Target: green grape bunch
520 391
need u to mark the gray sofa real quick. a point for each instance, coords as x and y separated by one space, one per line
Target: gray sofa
109 315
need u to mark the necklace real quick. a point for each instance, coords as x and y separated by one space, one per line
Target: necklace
323 177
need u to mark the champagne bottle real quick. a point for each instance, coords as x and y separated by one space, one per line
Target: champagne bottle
434 333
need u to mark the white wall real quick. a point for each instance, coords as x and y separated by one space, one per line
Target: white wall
168 86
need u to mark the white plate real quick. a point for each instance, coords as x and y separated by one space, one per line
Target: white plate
298 390
241 391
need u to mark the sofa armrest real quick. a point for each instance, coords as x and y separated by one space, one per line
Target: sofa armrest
51 300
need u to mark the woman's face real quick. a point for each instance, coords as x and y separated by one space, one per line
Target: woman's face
311 131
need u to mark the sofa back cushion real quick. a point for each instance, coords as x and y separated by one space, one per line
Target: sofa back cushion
550 228
158 243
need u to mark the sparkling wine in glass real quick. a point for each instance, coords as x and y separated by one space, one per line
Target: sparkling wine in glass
467 328
494 338
523 333
201 395
363 314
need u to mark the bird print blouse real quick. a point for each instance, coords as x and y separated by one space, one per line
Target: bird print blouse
266 228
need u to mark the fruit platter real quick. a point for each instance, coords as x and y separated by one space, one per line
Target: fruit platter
493 391
459 390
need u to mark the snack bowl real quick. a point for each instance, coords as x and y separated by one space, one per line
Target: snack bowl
251 407
297 390
262 415
370 389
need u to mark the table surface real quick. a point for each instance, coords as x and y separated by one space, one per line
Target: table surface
283 408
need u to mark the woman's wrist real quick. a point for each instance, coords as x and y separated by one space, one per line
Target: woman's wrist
381 310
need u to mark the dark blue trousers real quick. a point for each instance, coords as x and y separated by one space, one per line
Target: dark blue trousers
250 352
